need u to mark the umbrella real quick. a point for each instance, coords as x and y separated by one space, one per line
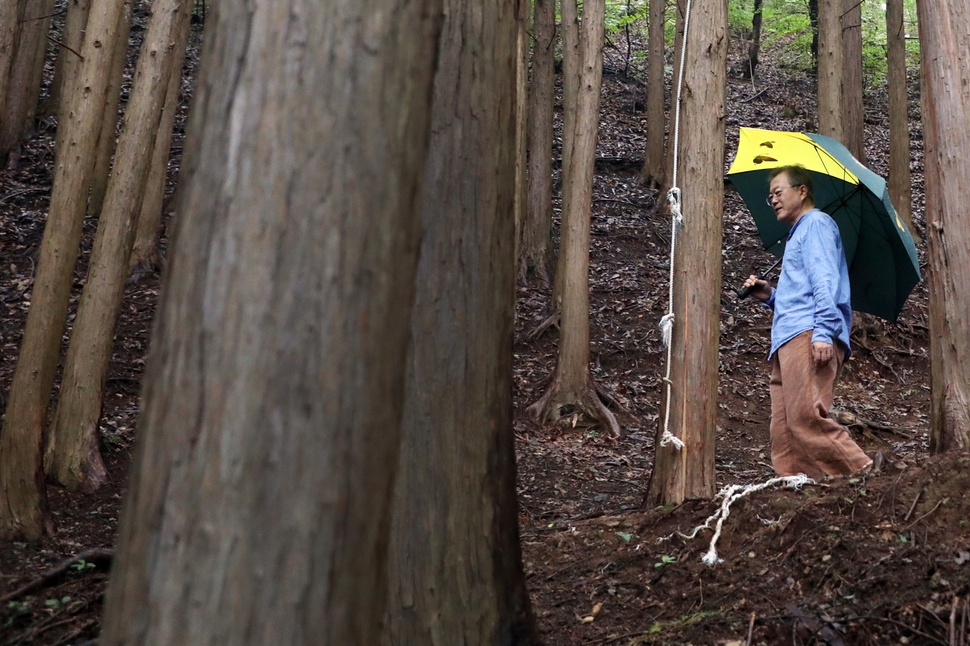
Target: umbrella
883 267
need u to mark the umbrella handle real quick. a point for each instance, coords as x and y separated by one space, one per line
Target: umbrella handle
744 293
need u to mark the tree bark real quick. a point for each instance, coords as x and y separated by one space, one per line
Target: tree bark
754 49
830 112
854 124
65 69
572 385
144 253
521 202
259 508
900 187
37 73
678 46
945 48
688 473
455 569
22 494
108 135
9 21
652 173
535 246
571 63
29 44
813 21
73 457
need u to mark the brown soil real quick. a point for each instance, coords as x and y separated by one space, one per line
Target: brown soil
874 560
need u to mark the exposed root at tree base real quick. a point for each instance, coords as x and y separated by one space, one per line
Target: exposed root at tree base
551 320
556 403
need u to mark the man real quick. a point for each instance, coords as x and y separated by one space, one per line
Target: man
809 335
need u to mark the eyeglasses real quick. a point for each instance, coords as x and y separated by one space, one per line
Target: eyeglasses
776 194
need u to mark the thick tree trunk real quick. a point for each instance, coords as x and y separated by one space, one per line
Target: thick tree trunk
22 496
572 385
30 44
260 500
945 48
73 458
652 173
144 253
455 570
854 124
65 70
678 45
535 246
754 49
108 136
900 187
830 111
689 472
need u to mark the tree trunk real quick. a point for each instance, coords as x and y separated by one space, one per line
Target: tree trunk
8 43
652 173
688 473
854 124
900 187
144 253
521 202
65 70
754 49
535 247
572 385
30 43
830 113
571 57
108 135
455 570
260 500
73 458
22 495
37 73
813 21
678 46
945 47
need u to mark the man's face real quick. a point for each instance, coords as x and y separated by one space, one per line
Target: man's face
787 201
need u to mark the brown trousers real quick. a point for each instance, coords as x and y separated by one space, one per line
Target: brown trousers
803 438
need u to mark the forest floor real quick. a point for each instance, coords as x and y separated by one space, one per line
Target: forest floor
871 560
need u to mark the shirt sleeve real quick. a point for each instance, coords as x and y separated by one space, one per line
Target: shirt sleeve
822 247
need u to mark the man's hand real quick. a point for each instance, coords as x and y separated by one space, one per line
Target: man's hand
761 291
822 352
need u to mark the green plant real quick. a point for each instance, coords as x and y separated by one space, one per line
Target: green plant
665 560
82 565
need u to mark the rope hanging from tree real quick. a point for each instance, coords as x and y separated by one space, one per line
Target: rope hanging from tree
676 221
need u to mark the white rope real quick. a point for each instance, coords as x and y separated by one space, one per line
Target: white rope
730 494
676 221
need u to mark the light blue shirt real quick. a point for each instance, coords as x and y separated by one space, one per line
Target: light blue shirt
813 289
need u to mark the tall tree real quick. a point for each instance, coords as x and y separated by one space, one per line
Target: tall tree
900 187
652 173
23 508
65 69
259 508
830 110
945 47
754 49
688 472
144 252
521 202
73 457
535 244
8 41
853 109
572 384
108 135
455 566
30 46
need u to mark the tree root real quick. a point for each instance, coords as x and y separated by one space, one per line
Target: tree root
552 320
852 420
556 404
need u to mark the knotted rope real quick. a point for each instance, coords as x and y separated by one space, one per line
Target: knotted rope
676 221
730 494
